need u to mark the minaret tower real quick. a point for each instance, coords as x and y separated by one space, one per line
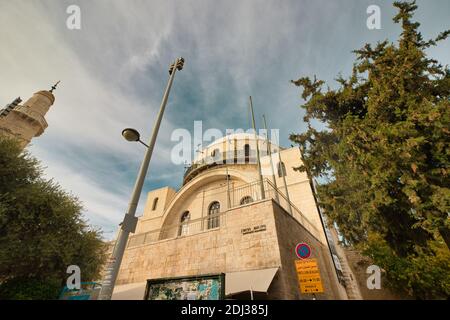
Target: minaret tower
26 121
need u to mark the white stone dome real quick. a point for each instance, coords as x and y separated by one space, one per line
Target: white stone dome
236 136
233 141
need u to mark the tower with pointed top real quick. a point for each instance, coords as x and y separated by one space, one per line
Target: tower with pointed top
26 121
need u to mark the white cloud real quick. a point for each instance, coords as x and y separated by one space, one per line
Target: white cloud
113 74
88 113
102 205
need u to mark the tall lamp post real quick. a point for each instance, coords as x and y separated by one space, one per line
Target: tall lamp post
130 221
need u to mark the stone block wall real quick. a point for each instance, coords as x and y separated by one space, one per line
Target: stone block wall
290 233
358 265
229 249
224 249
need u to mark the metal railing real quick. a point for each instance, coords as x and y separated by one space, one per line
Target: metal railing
296 213
211 222
230 157
236 196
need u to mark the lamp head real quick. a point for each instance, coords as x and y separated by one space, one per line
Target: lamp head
131 134
180 63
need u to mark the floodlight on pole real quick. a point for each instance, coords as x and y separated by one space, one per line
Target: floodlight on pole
129 222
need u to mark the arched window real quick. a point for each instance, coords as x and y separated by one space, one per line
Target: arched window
247 153
246 200
247 150
184 223
281 169
213 215
215 153
155 203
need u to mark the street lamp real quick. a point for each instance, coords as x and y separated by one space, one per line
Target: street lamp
132 135
129 222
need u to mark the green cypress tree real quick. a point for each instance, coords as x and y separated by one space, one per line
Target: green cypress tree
42 231
385 157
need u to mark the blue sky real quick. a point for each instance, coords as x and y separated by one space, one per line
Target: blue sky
113 72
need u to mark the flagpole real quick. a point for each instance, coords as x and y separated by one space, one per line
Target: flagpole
283 173
263 195
269 151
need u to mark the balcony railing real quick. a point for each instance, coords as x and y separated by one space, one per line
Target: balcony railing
238 196
32 115
231 157
196 226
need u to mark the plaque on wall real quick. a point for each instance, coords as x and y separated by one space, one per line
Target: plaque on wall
259 228
203 287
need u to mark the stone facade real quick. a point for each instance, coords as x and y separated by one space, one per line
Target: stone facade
203 227
290 233
222 249
357 266
26 121
227 249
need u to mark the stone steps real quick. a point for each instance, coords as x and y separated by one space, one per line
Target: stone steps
350 284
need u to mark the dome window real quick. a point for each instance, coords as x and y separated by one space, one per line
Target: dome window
246 200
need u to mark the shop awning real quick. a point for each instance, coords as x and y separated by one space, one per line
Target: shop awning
131 291
253 280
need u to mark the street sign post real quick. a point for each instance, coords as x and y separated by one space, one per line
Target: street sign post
303 251
309 276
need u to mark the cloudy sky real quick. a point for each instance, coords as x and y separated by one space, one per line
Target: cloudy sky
113 72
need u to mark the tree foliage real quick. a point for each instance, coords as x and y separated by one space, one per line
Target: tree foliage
384 154
41 231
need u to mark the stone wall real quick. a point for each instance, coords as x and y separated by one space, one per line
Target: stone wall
228 249
290 233
299 189
358 265
16 127
224 249
27 121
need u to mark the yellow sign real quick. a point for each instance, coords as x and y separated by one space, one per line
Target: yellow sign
309 276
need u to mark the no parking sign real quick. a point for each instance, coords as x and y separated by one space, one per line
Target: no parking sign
303 251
